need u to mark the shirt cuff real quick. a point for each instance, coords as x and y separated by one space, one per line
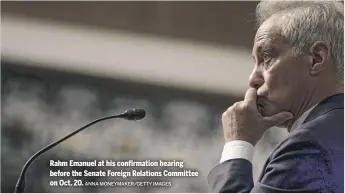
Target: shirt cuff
237 149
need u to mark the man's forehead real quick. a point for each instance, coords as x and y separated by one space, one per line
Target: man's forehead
270 29
268 33
273 26
263 39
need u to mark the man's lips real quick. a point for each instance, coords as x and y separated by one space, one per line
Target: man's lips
260 105
260 109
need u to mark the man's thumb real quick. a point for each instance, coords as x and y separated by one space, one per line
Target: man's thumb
278 118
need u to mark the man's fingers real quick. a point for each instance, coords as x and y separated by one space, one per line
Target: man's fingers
278 118
250 96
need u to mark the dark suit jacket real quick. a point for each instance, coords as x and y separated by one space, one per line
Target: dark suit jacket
311 159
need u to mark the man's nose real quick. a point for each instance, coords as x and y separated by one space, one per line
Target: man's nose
256 79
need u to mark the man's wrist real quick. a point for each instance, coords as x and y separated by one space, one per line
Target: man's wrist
237 149
245 138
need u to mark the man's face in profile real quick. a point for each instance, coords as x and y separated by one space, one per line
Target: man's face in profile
279 75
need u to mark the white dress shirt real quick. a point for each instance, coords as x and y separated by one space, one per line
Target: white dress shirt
245 150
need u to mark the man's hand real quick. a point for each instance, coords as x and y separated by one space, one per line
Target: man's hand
242 121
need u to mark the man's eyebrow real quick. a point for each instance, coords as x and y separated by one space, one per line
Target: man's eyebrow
256 50
264 47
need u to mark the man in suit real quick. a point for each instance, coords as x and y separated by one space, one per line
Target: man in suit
297 83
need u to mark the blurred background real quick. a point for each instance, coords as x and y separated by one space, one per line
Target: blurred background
64 64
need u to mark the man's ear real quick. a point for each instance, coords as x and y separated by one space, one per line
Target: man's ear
319 53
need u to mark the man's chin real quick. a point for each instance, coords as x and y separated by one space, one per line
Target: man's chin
285 124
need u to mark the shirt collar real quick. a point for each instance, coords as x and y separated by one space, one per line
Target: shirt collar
301 119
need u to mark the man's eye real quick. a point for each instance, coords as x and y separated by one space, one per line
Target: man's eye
266 57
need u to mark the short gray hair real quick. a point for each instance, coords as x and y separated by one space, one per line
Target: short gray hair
310 21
